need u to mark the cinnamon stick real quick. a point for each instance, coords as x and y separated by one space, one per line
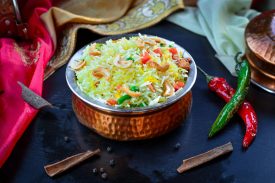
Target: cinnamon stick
32 98
69 162
205 157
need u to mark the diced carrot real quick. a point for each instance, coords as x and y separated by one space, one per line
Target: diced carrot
111 102
158 51
118 87
178 85
173 51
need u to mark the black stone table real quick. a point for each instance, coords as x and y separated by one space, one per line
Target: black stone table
149 160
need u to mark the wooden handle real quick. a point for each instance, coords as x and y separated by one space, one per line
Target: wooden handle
205 157
63 165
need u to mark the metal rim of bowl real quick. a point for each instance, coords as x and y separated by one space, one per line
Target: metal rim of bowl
71 81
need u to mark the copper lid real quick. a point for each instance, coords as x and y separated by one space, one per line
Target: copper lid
260 41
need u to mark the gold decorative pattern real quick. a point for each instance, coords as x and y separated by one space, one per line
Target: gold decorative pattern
29 53
133 127
144 15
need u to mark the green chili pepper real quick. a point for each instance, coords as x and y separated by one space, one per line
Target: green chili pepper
123 98
134 88
232 106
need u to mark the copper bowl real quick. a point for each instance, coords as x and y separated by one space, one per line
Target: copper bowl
131 124
260 51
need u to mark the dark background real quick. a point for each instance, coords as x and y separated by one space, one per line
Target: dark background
149 160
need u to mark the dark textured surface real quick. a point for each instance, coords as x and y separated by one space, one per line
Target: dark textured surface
153 160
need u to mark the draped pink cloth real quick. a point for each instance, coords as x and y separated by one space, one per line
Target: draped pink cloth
25 62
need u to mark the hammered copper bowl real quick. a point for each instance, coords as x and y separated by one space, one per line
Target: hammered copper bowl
260 50
131 124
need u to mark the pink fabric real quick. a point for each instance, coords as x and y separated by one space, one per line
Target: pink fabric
15 114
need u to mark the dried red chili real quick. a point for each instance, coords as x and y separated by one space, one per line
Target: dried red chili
246 111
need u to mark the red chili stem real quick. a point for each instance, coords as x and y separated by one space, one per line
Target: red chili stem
207 76
246 111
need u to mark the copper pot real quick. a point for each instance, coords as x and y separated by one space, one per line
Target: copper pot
131 124
260 41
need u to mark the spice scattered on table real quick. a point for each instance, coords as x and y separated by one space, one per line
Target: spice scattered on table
205 157
104 175
109 149
112 162
94 171
101 170
246 111
66 139
177 146
69 162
